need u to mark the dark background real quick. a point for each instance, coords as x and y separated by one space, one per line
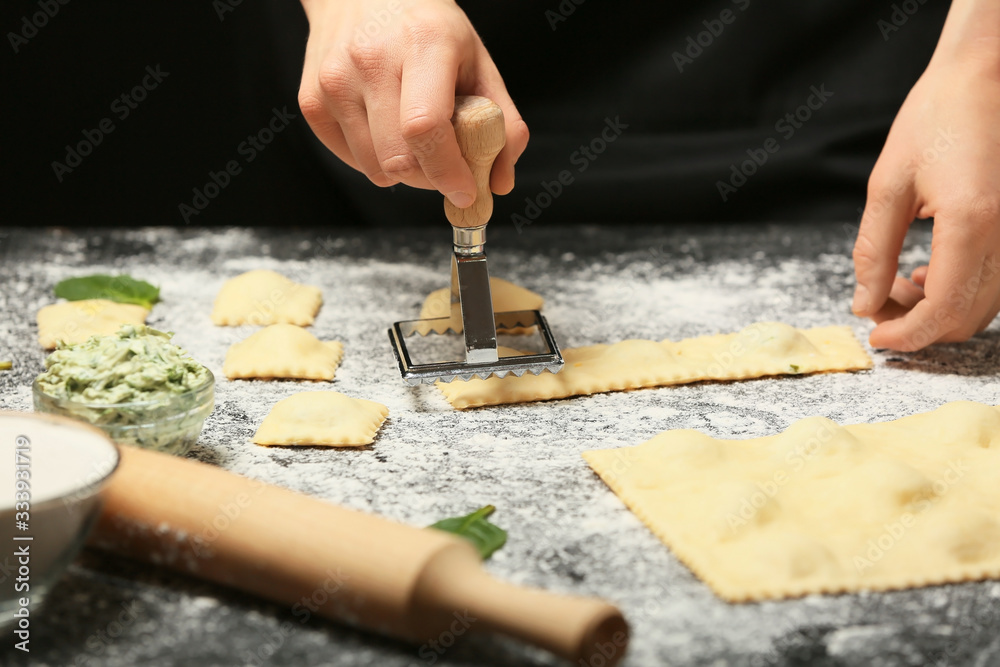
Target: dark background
605 60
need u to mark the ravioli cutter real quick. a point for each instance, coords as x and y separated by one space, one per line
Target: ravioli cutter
479 128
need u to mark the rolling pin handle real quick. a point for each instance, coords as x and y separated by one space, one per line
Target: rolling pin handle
453 585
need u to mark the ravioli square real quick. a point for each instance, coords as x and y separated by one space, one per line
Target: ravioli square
75 321
823 508
326 418
283 351
265 297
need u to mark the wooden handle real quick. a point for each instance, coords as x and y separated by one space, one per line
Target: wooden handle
578 629
481 135
319 558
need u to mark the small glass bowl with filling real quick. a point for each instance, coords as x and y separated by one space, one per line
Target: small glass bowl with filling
135 385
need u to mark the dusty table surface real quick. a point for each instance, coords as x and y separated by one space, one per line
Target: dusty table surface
568 532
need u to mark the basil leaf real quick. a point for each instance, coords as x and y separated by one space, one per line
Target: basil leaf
474 527
122 288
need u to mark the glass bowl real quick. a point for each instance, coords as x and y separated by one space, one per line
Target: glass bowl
171 424
54 471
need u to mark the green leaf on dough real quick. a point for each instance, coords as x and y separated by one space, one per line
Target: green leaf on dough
474 527
123 289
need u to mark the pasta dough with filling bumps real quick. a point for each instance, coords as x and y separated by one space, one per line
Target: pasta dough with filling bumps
823 508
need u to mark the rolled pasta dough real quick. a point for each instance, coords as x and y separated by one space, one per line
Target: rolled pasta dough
823 508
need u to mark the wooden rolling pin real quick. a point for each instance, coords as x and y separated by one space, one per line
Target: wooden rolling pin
414 583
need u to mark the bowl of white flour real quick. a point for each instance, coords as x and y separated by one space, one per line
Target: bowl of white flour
52 472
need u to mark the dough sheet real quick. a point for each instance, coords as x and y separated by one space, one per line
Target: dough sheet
823 508
761 349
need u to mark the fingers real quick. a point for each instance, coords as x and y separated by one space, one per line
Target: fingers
383 103
919 275
491 85
354 123
960 294
426 104
903 297
394 158
888 214
337 114
985 302
326 128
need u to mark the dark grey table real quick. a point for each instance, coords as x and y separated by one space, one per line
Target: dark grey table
568 532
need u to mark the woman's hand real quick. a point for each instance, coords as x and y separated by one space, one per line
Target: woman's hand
941 160
378 89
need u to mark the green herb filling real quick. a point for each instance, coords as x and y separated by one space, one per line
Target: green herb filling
136 364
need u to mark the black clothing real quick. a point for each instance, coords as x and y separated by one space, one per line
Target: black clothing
639 111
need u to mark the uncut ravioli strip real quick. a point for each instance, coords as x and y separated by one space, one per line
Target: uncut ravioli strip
283 351
76 321
264 297
326 418
822 508
765 348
